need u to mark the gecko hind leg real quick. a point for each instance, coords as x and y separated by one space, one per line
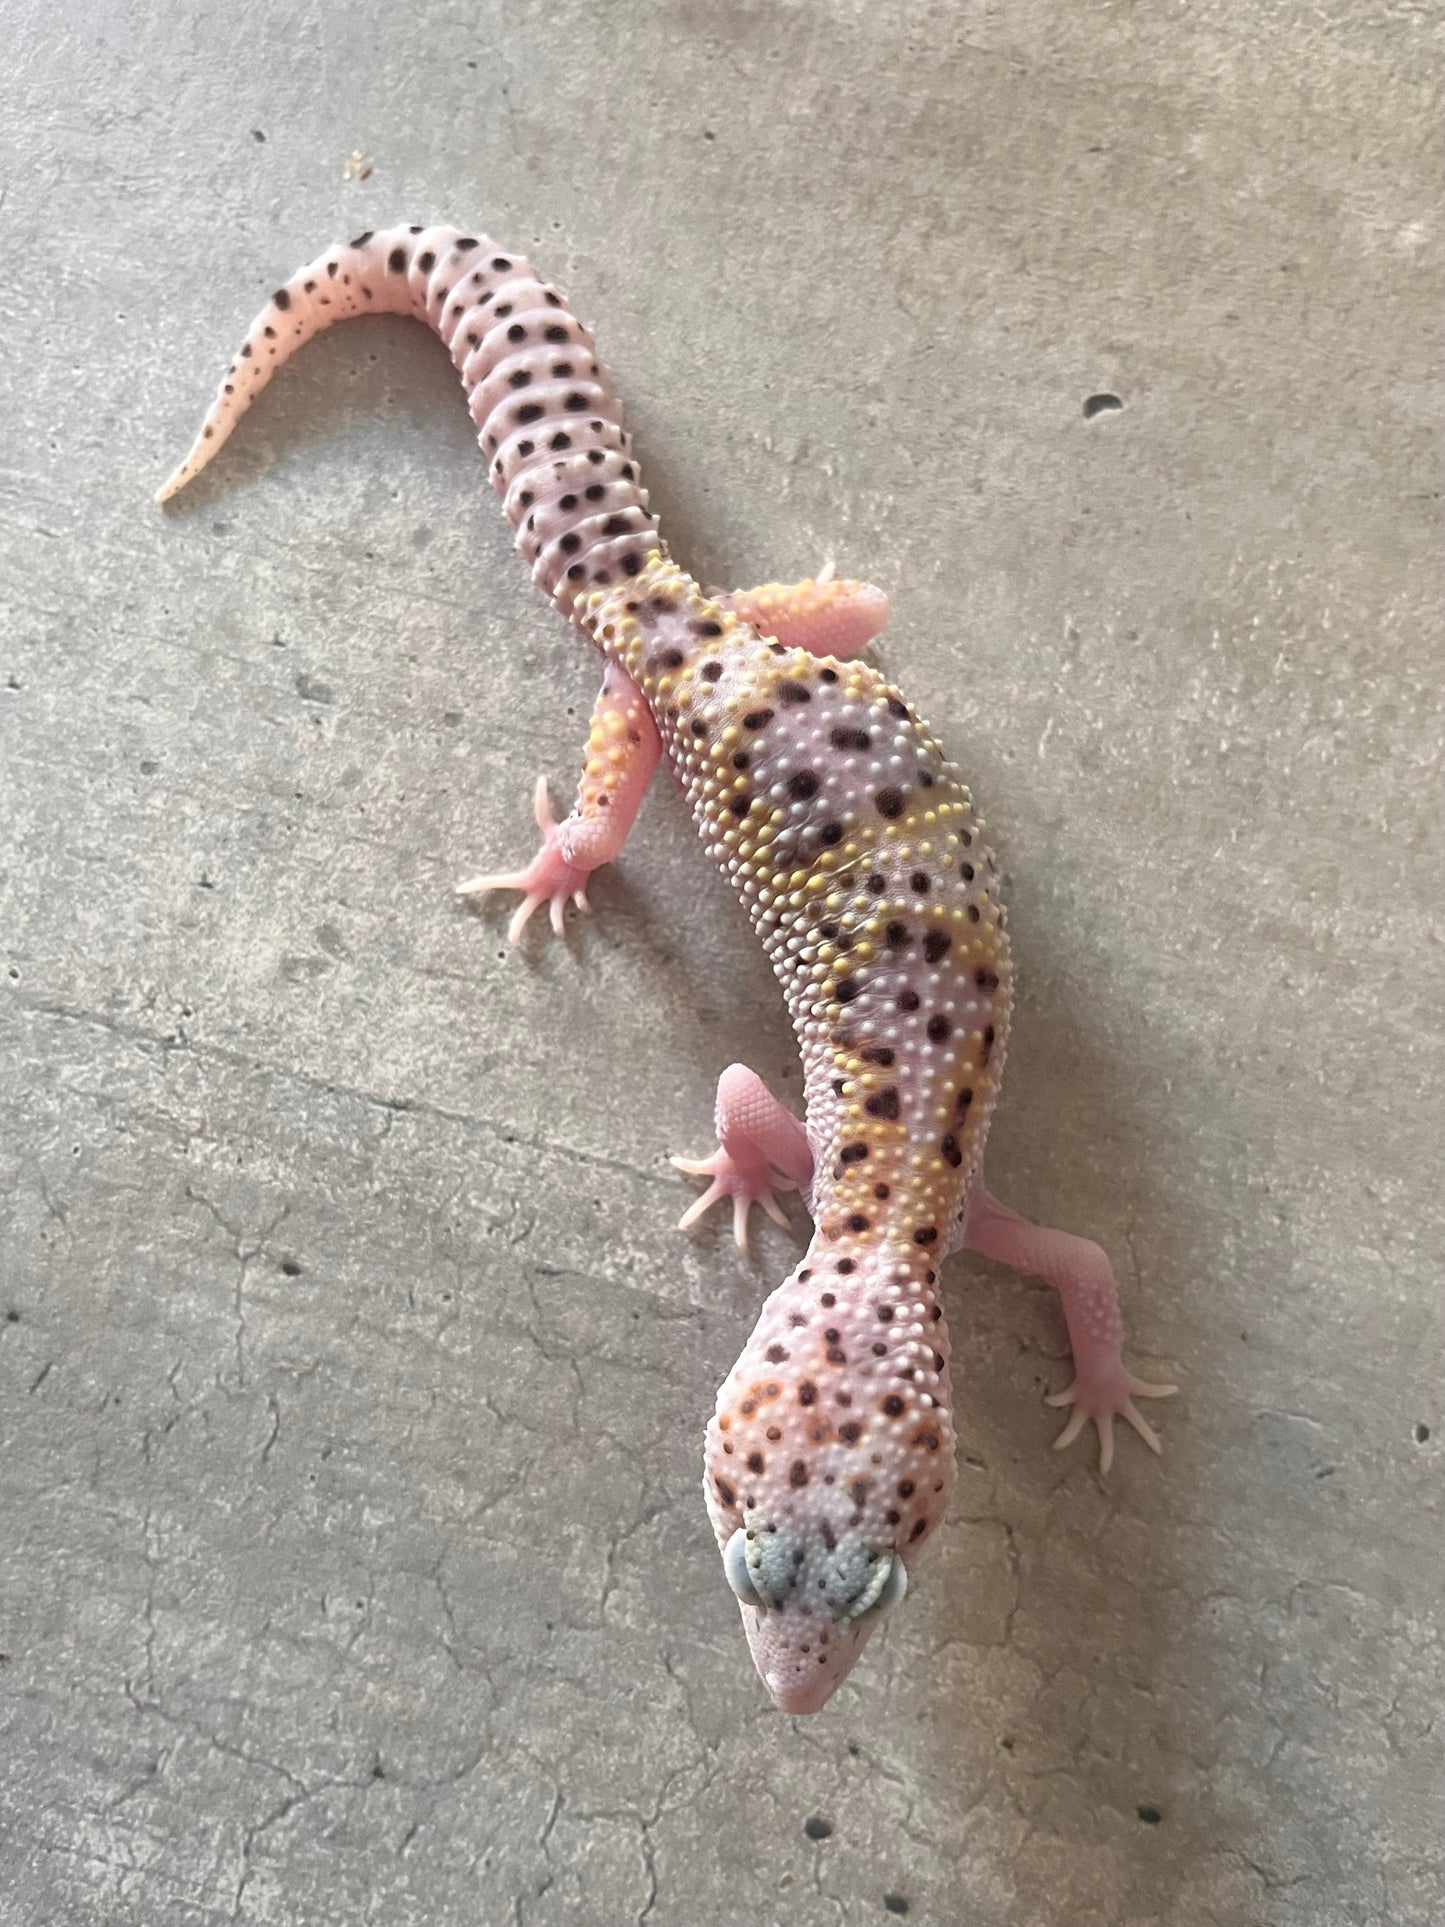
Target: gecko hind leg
762 1149
1103 1388
822 615
622 752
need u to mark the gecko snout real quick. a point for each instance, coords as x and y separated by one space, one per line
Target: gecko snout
810 1602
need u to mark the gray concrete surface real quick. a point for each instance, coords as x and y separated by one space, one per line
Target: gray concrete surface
352 1562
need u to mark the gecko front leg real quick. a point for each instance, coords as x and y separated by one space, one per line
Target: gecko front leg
1103 1388
758 1138
622 752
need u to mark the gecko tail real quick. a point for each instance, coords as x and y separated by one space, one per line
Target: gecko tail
345 281
547 417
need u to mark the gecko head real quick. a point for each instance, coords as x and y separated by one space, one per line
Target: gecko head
810 1601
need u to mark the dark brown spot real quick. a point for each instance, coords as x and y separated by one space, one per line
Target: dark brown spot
857 1221
889 802
853 1153
918 1531
847 990
757 718
850 1431
845 1265
807 1393
926 1234
726 1492
897 936
776 1354
798 1473
803 785
426 261
396 260
951 1153
883 1103
877 1054
985 979
936 945
909 1000
918 883
755 1462
282 299
711 671
794 692
843 738
940 1028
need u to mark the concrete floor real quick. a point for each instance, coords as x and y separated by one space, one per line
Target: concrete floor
353 1567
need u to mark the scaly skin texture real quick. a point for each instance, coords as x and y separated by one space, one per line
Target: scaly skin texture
852 841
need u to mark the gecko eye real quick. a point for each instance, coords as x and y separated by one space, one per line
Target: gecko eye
887 1583
735 1565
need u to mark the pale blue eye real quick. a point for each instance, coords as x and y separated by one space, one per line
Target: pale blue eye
887 1583
735 1565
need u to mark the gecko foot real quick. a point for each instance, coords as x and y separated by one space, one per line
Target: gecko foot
747 1181
1103 1395
549 878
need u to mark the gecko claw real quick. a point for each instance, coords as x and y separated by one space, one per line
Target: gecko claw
1102 1399
745 1184
549 878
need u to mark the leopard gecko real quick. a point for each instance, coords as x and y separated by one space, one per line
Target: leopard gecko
830 806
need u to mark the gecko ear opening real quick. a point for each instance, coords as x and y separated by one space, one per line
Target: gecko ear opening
735 1565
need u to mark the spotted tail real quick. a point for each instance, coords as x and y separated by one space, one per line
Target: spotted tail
547 418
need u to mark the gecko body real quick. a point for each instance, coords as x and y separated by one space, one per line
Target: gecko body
831 808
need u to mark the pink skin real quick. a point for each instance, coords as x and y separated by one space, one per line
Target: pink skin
851 839
823 615
758 1135
1103 1389
803 1650
622 752
758 1139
